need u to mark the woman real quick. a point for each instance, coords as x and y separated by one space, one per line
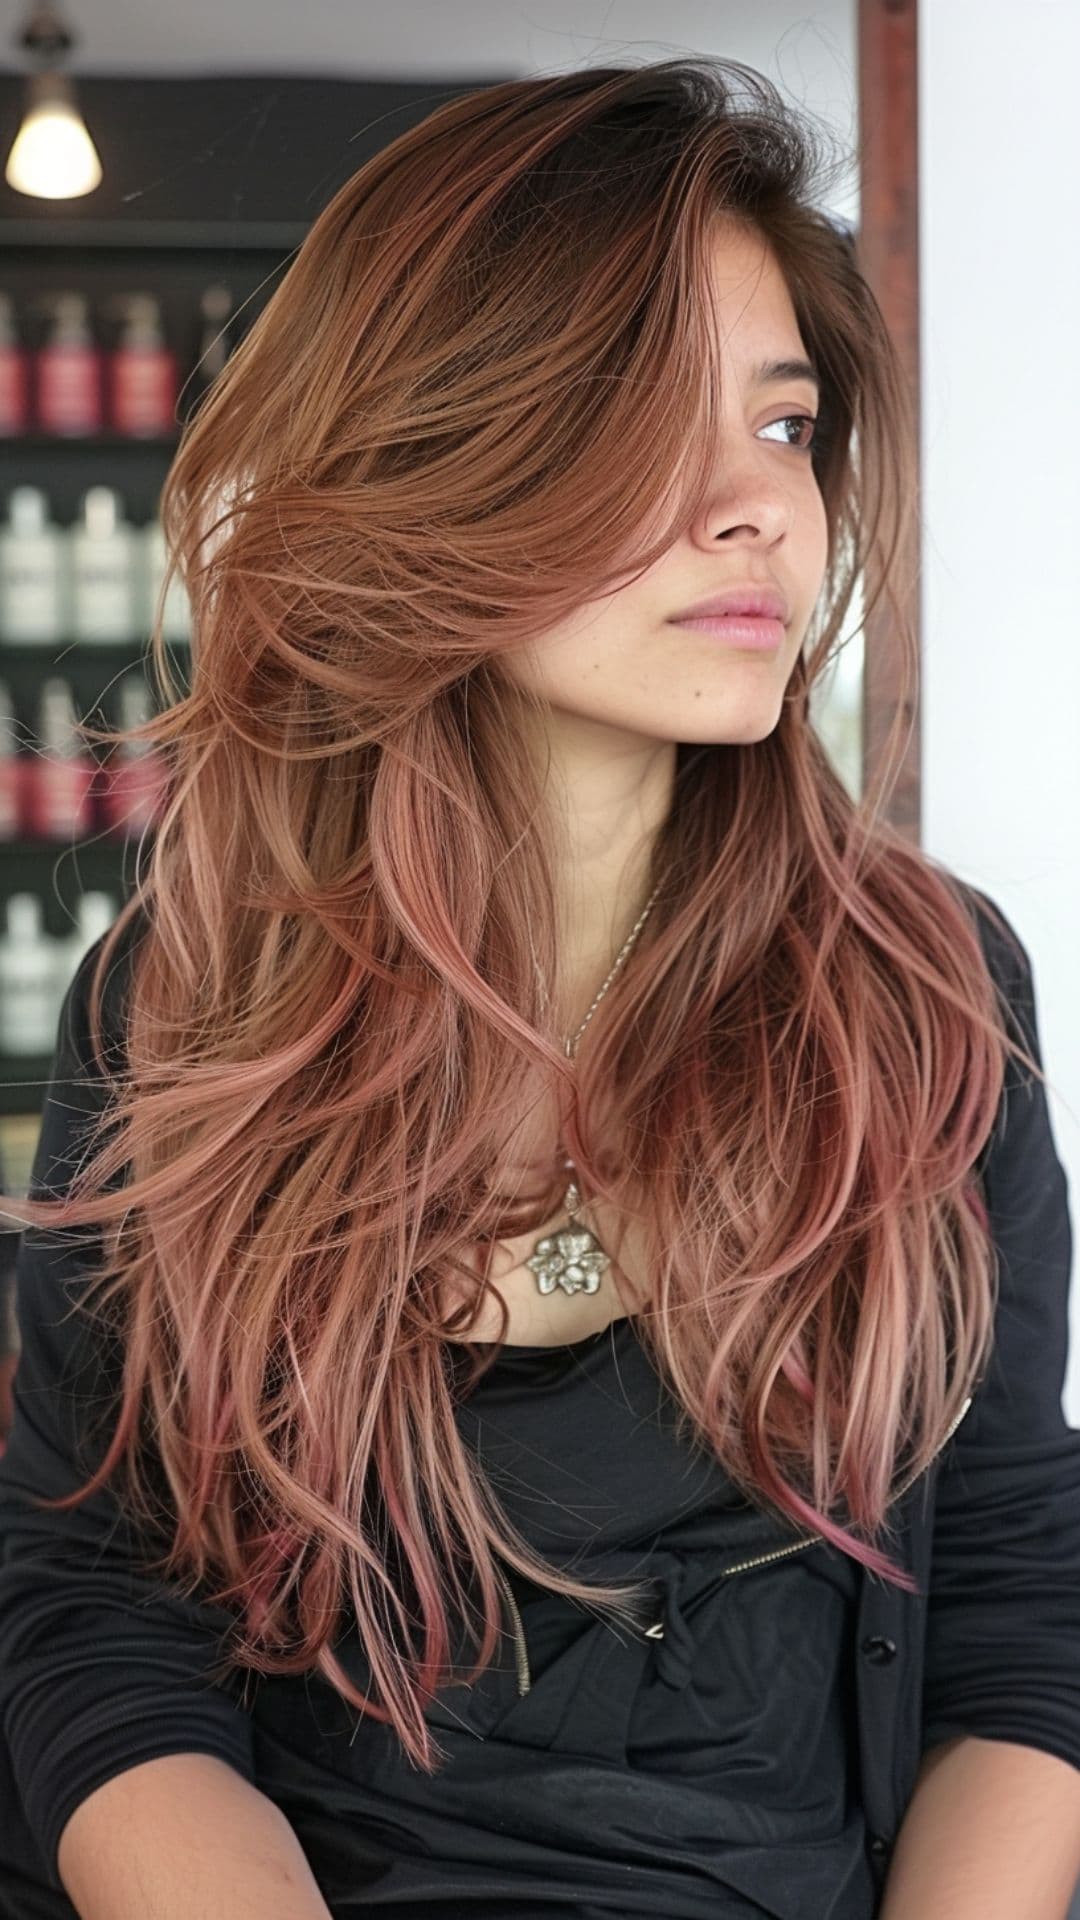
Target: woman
553 1152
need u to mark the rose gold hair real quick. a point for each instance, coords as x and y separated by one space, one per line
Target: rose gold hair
490 366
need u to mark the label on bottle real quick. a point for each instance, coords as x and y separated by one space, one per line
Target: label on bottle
133 790
69 389
10 794
143 390
30 591
103 592
58 796
27 1012
14 391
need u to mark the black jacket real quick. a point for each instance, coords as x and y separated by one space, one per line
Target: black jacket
101 1669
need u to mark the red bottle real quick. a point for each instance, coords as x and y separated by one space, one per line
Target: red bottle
142 374
14 374
58 782
67 369
134 783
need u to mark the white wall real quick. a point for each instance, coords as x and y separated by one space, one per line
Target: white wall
1001 495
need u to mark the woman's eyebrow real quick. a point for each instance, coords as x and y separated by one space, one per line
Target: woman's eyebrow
785 370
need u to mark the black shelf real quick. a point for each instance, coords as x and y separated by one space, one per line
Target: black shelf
13 444
93 843
70 654
15 1071
225 238
35 652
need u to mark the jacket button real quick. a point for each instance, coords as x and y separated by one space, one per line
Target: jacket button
878 1843
879 1649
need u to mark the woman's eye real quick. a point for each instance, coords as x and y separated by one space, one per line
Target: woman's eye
804 421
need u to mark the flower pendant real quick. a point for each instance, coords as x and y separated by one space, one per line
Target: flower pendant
572 1258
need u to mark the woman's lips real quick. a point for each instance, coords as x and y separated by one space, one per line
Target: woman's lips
754 635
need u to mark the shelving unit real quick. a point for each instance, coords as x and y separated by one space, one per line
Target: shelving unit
101 262
207 177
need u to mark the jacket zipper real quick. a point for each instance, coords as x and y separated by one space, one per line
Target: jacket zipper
524 1677
910 1482
656 1631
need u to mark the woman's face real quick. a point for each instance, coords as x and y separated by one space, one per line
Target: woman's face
618 664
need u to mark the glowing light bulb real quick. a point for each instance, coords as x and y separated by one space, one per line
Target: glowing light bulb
52 156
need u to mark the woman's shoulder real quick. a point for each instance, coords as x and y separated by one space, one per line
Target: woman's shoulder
1006 956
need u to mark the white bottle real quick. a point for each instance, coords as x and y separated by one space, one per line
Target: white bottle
33 572
94 914
104 584
176 613
28 1011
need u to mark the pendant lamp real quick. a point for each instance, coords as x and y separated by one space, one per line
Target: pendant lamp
52 156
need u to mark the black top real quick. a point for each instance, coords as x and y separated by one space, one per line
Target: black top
714 1770
706 1773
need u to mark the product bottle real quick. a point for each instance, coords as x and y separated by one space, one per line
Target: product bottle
67 367
142 376
34 563
176 613
14 374
58 781
10 801
218 338
134 783
104 582
94 915
27 974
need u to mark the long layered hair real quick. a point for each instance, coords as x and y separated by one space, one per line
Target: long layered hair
483 391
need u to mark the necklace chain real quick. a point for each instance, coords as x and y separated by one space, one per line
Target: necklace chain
571 1045
572 1257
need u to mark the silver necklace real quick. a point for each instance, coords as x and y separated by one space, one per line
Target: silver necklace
572 1257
